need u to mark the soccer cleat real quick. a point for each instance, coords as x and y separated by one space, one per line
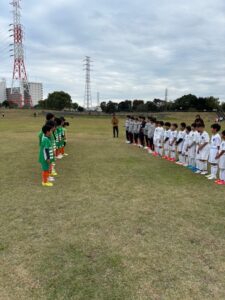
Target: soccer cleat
220 182
179 163
198 172
54 173
204 173
51 179
65 154
48 184
212 177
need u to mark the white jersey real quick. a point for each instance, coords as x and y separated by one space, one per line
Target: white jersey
173 138
135 127
127 122
204 138
214 148
151 130
185 144
181 135
131 125
147 125
192 143
222 158
166 139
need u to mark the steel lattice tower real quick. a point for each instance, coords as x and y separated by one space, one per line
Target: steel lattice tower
20 87
87 94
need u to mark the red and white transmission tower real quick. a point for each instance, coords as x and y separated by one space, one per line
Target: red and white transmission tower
87 93
20 88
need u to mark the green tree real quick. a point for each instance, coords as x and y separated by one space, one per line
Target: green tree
59 100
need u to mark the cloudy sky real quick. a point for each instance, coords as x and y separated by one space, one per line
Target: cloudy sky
138 47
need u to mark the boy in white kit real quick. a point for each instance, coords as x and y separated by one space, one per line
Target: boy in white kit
192 144
203 149
155 139
127 122
172 142
160 138
221 157
185 147
166 141
151 131
147 125
180 143
214 150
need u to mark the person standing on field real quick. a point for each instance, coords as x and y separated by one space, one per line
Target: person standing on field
115 124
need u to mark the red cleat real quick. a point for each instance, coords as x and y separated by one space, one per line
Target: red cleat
220 182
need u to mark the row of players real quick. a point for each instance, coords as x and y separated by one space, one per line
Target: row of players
189 146
52 142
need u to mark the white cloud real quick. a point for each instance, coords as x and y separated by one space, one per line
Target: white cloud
139 47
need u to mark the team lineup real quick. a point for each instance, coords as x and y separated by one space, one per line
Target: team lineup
188 146
52 142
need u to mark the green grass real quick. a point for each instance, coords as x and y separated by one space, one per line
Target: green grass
118 224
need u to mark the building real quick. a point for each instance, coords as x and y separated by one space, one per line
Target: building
36 92
2 90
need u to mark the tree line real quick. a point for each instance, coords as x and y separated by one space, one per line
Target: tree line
185 103
60 100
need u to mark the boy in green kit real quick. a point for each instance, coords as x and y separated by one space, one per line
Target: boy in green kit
46 154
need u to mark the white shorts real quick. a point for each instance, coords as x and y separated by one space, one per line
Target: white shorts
192 152
204 153
180 147
173 147
212 156
167 146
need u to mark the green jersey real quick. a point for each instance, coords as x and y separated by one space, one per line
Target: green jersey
40 135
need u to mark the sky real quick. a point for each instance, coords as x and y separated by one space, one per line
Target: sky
138 47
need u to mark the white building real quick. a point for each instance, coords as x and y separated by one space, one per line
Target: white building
2 90
36 92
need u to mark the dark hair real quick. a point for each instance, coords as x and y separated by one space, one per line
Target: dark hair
46 129
183 125
193 125
50 123
167 124
175 125
188 128
161 123
49 116
58 121
200 124
223 133
128 116
216 126
62 118
66 124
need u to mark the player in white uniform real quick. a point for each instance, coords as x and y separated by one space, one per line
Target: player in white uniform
192 144
185 146
156 138
136 130
147 125
203 149
166 139
214 150
130 130
127 122
180 144
151 131
172 142
221 157
160 138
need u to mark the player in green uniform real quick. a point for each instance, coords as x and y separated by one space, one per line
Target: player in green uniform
46 154
59 140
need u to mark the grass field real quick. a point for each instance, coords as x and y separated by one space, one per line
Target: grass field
118 224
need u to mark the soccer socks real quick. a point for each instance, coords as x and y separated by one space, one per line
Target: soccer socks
45 175
204 165
214 170
222 174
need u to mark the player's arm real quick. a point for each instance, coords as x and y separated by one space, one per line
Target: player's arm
220 154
